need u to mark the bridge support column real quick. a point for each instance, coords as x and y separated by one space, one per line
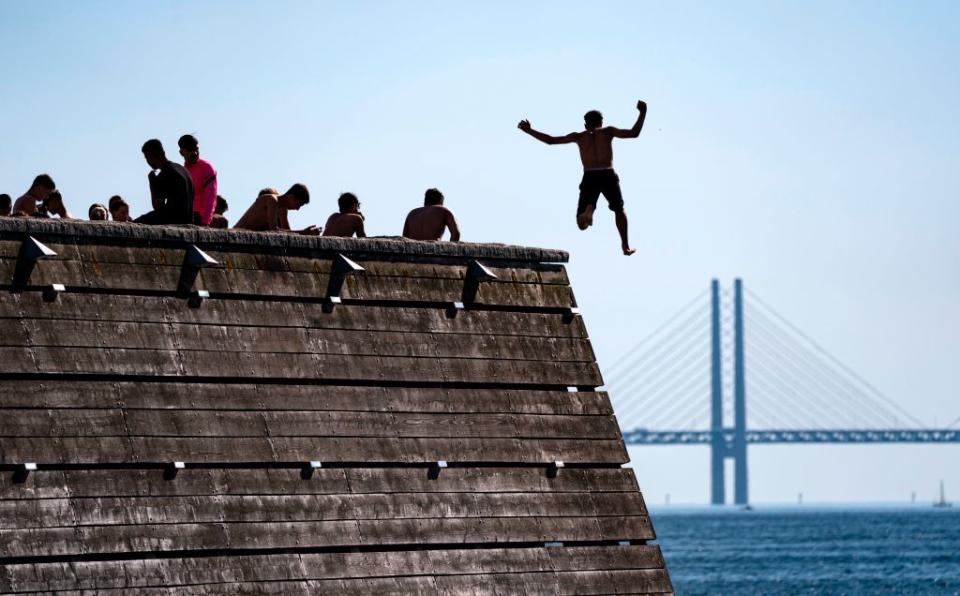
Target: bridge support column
717 444
739 400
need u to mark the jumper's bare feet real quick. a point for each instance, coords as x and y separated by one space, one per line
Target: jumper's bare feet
585 219
628 251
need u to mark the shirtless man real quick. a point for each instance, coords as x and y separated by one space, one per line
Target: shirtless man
429 221
269 212
39 191
348 221
596 154
53 205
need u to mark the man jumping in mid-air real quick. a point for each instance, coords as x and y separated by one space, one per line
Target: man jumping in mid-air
596 153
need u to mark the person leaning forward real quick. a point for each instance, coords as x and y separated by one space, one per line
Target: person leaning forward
429 222
171 188
38 192
269 211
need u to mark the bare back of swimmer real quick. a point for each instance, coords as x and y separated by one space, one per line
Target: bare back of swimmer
596 154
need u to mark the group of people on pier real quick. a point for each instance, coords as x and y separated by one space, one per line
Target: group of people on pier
187 194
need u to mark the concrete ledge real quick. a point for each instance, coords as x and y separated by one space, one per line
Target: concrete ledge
389 247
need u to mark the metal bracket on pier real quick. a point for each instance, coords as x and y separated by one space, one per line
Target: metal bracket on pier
307 472
570 313
435 468
196 298
476 274
554 468
454 308
170 472
342 267
193 261
22 471
50 294
30 252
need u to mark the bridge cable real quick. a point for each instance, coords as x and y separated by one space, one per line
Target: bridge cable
831 376
694 399
657 331
798 374
767 389
643 366
681 385
693 365
835 360
692 414
821 389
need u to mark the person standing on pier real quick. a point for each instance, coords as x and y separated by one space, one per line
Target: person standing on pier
596 154
171 188
204 178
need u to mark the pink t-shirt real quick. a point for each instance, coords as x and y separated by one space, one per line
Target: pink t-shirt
204 189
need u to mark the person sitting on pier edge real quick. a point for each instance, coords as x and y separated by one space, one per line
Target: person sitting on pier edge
348 221
596 154
171 189
53 205
219 220
119 209
204 178
428 222
42 186
6 205
98 212
269 212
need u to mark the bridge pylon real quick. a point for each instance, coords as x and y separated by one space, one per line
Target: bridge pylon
721 447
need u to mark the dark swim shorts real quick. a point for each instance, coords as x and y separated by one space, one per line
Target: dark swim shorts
597 182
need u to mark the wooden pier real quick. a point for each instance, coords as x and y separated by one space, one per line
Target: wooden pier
186 410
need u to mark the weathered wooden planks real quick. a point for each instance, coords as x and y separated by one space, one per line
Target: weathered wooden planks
121 278
260 313
128 449
117 380
234 338
36 422
232 260
190 482
212 572
278 398
642 581
284 534
294 367
126 511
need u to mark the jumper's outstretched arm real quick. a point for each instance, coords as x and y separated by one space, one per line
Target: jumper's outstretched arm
545 138
634 132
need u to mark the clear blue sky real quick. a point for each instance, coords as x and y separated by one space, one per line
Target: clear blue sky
811 148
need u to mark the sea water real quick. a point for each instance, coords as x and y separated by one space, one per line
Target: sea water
811 550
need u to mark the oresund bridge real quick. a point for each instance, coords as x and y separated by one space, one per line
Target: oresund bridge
688 382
